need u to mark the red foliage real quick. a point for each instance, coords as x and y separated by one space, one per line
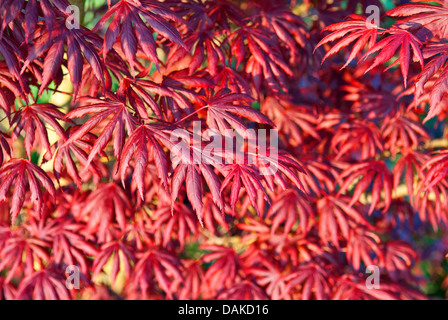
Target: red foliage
118 183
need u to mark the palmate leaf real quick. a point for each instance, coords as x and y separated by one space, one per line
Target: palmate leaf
22 173
389 45
243 176
50 10
337 217
245 290
204 47
348 136
18 247
368 171
45 284
430 16
69 246
223 112
435 70
403 132
192 174
121 255
111 107
275 165
103 208
272 277
226 267
65 155
137 145
409 165
294 121
289 207
435 169
9 89
398 259
79 41
172 93
155 268
4 147
8 49
360 246
127 23
312 279
266 60
32 119
288 27
192 286
180 222
357 29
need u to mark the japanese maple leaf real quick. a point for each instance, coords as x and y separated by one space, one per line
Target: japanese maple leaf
170 93
191 173
32 118
156 268
245 290
289 207
229 78
433 17
360 246
224 114
226 266
10 10
312 279
243 176
431 202
357 29
69 246
79 41
9 49
111 108
294 121
435 71
373 170
45 284
135 22
103 207
398 258
205 47
4 147
337 217
266 60
21 173
20 248
351 287
180 221
348 137
192 286
9 89
403 133
436 169
65 155
120 253
409 165
137 145
390 44
213 216
288 27
275 165
271 276
7 289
